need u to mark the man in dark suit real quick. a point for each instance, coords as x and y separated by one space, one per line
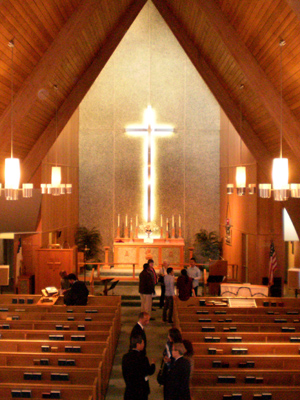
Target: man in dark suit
78 293
136 370
139 328
178 378
146 288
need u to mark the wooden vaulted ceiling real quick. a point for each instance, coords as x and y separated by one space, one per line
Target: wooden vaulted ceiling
230 42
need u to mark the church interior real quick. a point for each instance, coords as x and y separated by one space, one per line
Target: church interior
149 109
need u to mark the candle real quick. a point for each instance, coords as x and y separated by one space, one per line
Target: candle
172 221
118 220
126 220
167 223
131 224
179 224
161 220
137 220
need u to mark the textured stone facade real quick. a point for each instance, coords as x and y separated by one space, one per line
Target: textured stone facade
149 67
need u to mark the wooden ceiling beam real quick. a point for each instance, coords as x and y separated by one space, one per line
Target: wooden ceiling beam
295 6
45 69
249 137
255 75
46 140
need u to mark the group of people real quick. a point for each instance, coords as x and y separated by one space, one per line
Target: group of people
175 371
187 286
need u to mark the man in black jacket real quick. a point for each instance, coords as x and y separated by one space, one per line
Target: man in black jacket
178 378
146 289
136 370
139 328
78 293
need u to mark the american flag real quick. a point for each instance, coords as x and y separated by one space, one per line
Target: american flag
272 264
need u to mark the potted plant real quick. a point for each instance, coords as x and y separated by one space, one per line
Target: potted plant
89 241
208 245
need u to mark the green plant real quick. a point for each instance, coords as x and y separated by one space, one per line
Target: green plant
208 245
89 239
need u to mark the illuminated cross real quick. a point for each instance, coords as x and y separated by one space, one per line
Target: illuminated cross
149 131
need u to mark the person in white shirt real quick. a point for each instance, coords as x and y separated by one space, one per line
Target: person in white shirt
170 292
194 273
162 273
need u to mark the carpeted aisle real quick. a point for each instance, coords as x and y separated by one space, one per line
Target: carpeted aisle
156 333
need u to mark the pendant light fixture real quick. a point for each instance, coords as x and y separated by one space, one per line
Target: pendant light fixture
12 165
56 188
280 171
240 172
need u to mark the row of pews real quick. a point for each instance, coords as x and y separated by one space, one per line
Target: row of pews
242 353
57 352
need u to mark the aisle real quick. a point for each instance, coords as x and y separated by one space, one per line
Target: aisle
156 333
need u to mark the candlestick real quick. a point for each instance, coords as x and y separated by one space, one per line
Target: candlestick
179 223
119 220
126 220
172 221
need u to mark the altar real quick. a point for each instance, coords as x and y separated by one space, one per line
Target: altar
137 252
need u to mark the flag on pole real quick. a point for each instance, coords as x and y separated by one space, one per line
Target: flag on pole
272 264
19 259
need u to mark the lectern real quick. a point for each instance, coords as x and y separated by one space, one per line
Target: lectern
217 275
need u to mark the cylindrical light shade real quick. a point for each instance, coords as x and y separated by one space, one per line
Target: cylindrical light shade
281 194
69 188
43 188
280 173
264 190
27 190
229 188
252 188
12 173
295 190
56 176
240 177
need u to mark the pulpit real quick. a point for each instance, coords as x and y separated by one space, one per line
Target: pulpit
50 263
217 275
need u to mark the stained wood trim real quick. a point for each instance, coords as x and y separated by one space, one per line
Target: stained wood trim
46 140
295 6
249 137
257 78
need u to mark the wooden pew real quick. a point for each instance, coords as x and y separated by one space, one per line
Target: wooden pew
36 322
67 392
268 361
247 393
270 337
238 327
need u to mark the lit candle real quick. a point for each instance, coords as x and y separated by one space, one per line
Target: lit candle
179 223
172 221
126 220
161 220
131 224
119 220
137 220
167 223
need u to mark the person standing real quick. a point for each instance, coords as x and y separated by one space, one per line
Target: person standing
136 370
139 328
162 273
178 378
184 286
194 273
146 289
170 292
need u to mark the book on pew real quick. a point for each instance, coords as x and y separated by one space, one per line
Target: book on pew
50 291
